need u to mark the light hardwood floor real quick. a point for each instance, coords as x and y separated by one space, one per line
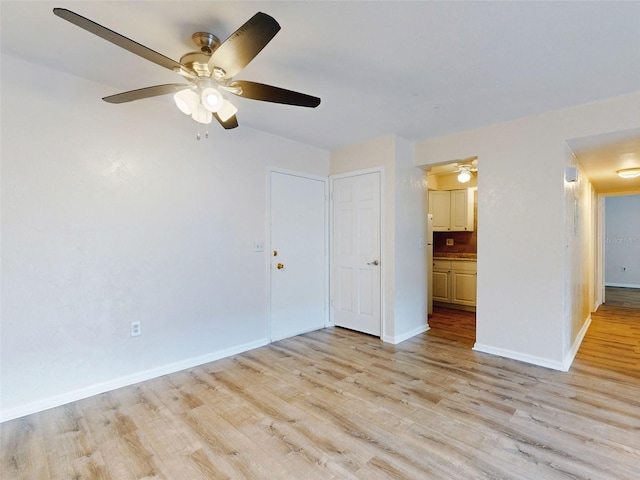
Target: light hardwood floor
335 404
623 297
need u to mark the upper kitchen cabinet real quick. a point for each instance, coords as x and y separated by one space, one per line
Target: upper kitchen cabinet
440 208
452 210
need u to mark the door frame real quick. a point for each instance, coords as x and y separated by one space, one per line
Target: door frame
269 247
599 239
383 263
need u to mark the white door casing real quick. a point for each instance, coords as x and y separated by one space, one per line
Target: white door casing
356 252
299 235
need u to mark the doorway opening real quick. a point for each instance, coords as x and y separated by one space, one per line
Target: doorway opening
452 262
621 251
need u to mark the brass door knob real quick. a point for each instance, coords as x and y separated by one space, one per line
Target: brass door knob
280 266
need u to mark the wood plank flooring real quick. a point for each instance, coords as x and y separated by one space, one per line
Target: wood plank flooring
622 297
335 404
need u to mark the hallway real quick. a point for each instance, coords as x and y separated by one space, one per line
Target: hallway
611 347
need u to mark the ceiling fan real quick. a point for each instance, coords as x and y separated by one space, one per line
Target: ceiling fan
209 71
465 171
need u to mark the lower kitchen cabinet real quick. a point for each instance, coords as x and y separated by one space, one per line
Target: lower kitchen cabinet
463 283
454 282
441 281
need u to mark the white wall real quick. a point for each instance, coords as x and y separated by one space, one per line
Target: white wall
410 287
522 277
113 214
580 259
405 288
622 241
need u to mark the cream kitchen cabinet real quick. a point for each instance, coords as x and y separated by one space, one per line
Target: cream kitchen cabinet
454 282
452 210
463 283
440 208
441 281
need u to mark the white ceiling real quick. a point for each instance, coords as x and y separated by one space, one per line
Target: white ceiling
417 69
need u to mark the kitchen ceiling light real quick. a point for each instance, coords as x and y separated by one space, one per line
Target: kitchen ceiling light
629 172
464 176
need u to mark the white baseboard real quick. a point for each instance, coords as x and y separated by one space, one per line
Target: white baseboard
120 382
405 336
568 360
623 285
522 357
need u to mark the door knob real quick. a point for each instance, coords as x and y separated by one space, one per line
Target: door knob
280 266
375 262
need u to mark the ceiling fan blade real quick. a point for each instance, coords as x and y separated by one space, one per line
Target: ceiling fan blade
146 92
232 122
117 39
267 93
244 44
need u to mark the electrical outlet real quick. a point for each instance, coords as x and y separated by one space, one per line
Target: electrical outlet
136 329
449 242
258 247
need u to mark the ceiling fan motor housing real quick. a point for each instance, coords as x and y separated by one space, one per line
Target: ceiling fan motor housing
206 42
198 62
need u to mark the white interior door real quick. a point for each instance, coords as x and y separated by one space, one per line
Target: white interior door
356 253
298 227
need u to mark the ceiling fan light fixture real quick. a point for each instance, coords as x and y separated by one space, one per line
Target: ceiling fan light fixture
227 111
202 115
629 172
212 99
187 101
464 176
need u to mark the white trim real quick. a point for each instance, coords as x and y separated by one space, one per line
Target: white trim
522 357
601 260
568 359
356 173
622 285
599 266
383 263
98 388
405 336
297 174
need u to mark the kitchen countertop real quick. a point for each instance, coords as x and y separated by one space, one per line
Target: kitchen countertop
470 257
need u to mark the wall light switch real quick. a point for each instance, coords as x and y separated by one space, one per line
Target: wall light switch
449 242
136 329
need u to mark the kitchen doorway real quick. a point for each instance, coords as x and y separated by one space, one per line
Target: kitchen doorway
453 202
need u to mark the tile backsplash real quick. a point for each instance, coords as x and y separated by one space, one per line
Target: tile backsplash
463 242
